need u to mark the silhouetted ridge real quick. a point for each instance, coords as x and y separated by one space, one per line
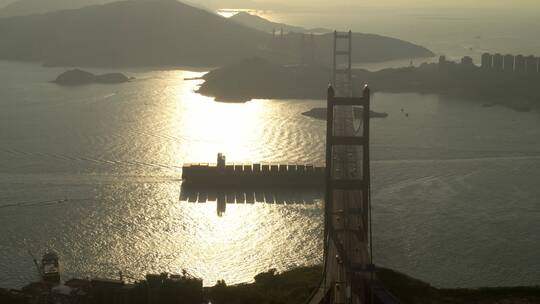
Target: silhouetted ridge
137 32
169 33
265 25
366 47
29 7
376 48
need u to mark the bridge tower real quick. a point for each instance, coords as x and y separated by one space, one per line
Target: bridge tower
342 64
347 260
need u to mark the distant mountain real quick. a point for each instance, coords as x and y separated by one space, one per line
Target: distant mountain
265 25
170 33
12 8
128 33
376 48
366 47
296 47
29 7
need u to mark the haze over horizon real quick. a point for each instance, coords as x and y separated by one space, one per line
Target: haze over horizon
345 6
451 28
321 5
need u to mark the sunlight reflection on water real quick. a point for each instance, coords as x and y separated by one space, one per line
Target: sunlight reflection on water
449 192
118 166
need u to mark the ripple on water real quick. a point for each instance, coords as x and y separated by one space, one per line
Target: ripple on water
453 204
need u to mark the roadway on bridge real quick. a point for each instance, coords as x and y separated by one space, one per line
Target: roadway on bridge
347 235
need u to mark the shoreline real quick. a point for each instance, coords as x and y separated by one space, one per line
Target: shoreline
293 286
258 78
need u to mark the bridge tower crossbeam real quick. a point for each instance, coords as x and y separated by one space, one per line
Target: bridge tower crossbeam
347 261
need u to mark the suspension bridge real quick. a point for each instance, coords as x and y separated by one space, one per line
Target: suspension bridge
348 271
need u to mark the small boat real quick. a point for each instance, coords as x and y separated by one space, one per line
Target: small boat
50 269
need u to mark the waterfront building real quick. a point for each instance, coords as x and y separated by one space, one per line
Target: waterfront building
442 63
487 61
519 64
467 60
442 59
509 63
498 62
531 64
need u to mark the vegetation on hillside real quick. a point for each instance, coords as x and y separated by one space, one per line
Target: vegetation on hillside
290 287
295 286
259 78
167 33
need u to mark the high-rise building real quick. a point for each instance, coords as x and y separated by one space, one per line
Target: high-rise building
498 62
509 63
442 59
487 61
531 64
519 63
443 64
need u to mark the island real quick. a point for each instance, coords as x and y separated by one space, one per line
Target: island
169 33
79 77
258 78
320 113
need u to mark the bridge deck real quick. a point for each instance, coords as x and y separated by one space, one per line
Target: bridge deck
347 232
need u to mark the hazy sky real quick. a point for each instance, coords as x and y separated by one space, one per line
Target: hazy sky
449 27
317 4
321 5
